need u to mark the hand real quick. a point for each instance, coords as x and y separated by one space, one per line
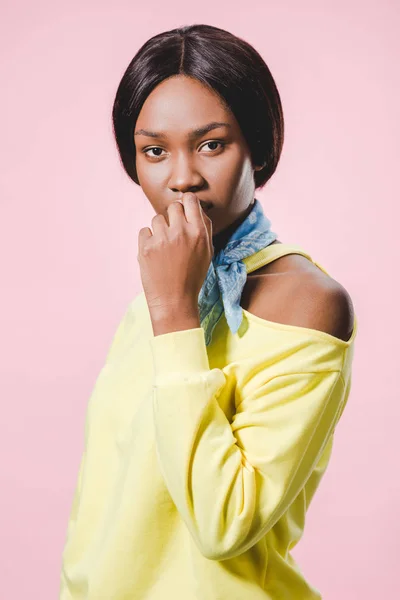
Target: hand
174 260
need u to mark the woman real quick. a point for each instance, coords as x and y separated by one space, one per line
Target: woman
211 424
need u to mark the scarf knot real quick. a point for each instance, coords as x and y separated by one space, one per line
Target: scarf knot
226 276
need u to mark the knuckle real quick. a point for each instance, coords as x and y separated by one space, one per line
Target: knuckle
177 237
195 230
161 242
190 197
146 251
199 234
174 203
143 234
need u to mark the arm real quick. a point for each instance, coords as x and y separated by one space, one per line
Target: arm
121 337
231 482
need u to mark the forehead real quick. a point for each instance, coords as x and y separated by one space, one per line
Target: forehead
179 104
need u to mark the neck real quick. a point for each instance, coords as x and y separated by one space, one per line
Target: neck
221 238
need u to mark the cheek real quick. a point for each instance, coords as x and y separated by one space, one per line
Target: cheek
244 173
149 178
223 175
142 168
236 164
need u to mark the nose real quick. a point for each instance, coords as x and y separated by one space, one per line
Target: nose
185 177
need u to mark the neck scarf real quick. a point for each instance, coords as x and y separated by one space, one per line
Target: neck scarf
226 276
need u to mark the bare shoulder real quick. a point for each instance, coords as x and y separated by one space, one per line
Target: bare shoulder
324 304
294 291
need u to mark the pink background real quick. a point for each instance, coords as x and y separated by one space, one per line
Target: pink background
68 244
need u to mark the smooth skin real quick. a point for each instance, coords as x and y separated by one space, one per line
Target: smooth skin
214 166
174 260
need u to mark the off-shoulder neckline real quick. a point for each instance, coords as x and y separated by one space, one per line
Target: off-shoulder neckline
273 252
299 329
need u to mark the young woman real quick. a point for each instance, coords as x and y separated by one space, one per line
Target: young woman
212 422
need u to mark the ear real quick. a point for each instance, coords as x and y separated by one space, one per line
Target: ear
259 167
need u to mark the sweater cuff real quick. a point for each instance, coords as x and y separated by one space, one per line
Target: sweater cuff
179 352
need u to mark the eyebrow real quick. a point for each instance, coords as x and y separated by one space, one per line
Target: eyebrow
194 133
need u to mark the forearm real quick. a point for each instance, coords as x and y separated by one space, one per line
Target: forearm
175 318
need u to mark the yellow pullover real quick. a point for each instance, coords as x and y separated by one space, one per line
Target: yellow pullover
200 462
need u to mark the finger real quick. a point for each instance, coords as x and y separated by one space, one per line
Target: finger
144 234
208 224
159 224
192 208
176 214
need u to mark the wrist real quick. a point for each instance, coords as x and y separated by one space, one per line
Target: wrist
176 316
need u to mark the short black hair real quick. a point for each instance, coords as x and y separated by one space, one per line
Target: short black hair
223 62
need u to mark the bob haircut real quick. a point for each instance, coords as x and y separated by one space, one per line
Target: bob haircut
221 61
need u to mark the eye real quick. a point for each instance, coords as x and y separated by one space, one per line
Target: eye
154 148
215 142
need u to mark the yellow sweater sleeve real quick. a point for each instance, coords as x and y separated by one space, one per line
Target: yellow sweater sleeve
231 481
113 351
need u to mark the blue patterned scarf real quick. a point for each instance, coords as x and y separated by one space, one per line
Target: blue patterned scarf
226 276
